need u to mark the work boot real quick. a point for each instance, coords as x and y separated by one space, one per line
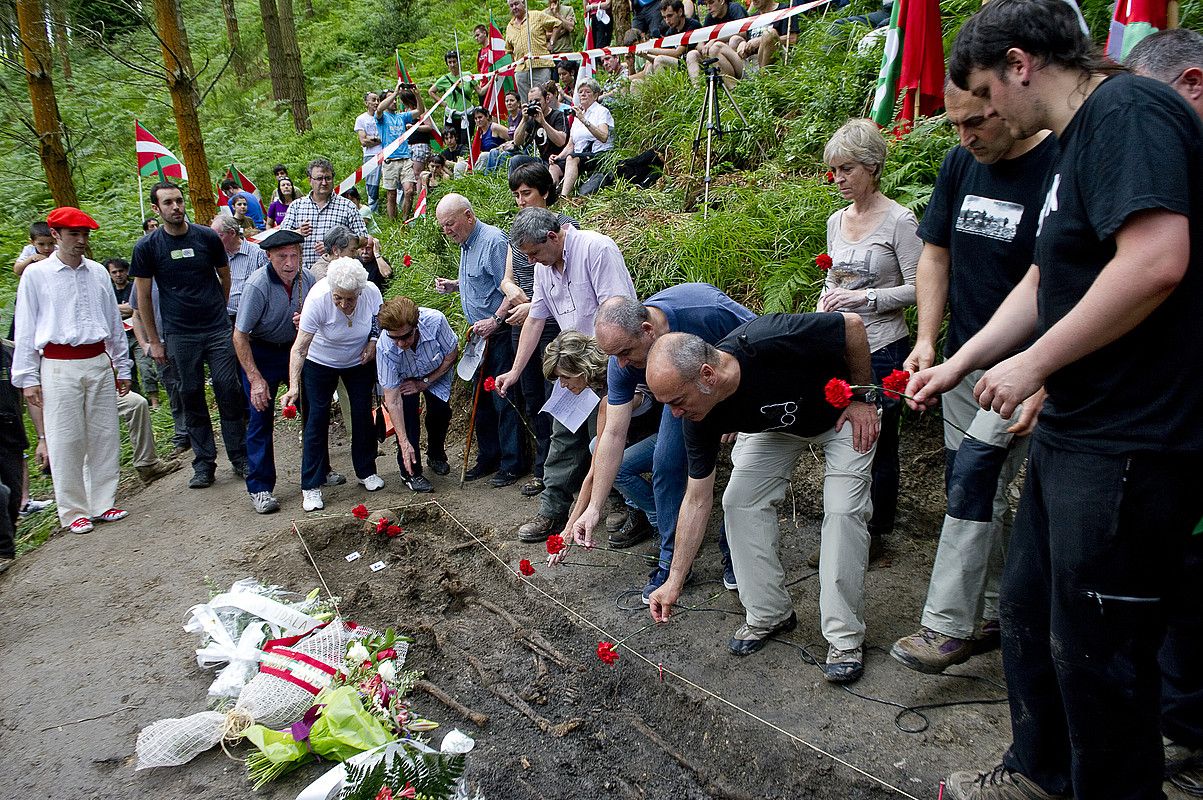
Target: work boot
636 529
540 527
152 472
617 514
930 651
999 783
750 638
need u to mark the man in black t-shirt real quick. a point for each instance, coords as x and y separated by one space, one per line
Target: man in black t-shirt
543 125
188 264
675 21
1114 295
978 233
768 378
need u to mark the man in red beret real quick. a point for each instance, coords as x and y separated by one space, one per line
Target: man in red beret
69 340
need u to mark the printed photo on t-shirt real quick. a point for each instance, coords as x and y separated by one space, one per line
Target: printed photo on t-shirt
984 216
854 270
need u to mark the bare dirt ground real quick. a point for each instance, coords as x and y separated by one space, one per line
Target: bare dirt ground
92 629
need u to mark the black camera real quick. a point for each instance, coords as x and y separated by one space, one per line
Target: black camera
532 108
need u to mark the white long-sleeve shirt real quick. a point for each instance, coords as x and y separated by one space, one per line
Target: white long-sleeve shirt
65 305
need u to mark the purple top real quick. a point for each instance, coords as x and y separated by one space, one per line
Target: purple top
276 211
593 273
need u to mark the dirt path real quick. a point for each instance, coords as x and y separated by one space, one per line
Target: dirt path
92 627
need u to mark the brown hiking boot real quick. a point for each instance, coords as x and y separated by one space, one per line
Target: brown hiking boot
617 515
931 651
540 527
999 783
152 472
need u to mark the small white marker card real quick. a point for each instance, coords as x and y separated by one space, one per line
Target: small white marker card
353 556
379 565
571 409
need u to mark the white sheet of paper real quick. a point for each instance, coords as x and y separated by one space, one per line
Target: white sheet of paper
352 556
571 409
379 565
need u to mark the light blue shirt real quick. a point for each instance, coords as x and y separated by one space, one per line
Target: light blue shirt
481 270
436 341
392 124
248 259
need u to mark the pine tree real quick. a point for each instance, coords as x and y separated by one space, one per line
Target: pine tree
48 124
294 73
234 40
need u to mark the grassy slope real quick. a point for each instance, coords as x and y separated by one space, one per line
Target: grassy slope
758 243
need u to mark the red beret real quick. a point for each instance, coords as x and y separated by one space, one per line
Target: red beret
70 217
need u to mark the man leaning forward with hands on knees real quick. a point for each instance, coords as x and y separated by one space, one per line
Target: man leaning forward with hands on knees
766 381
69 342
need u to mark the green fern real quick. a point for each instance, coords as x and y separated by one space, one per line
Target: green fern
432 775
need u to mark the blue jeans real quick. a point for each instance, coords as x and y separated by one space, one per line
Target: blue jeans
190 352
498 427
272 362
372 184
636 489
318 383
885 461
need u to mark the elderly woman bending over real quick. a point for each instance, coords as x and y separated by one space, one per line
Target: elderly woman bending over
874 248
336 339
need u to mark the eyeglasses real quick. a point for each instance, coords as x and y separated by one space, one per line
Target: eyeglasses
403 337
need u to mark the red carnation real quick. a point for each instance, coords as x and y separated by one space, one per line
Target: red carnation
894 384
823 261
394 530
360 511
838 393
289 412
406 260
555 543
387 654
607 653
830 176
524 566
385 794
382 525
490 384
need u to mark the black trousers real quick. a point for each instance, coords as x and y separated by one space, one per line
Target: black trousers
1094 571
12 463
438 419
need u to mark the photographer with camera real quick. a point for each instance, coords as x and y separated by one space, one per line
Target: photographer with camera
543 125
398 170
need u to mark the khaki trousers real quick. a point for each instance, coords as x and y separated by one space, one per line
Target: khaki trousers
763 463
135 412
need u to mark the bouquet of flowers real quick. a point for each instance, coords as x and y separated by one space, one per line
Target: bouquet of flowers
235 623
292 672
365 706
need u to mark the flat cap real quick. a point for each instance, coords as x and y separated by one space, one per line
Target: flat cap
70 217
278 237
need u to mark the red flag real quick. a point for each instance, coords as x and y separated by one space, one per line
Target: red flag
419 206
244 183
921 79
1132 21
586 70
474 149
154 158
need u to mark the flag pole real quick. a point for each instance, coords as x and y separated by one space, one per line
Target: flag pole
141 200
530 48
463 120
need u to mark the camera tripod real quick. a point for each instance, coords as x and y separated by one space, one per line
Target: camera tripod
710 125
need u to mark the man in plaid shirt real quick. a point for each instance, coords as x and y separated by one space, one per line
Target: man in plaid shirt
315 214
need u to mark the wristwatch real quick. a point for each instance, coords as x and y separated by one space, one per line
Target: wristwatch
871 296
867 396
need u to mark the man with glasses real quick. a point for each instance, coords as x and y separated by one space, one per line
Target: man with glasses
414 358
264 331
767 381
316 213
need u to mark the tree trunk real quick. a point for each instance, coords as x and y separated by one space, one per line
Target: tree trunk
275 47
31 21
294 73
58 13
234 39
620 10
181 81
309 12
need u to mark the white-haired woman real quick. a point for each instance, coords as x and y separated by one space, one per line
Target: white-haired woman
592 133
874 247
336 339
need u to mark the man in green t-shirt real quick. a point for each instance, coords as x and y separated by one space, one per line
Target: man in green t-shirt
462 100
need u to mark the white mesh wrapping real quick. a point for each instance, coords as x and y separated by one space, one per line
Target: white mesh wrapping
267 699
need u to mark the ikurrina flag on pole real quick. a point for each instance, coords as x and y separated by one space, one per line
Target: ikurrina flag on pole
402 72
586 70
495 57
419 206
154 157
913 63
1132 21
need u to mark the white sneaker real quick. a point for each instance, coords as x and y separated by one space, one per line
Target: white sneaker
372 483
312 500
264 503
